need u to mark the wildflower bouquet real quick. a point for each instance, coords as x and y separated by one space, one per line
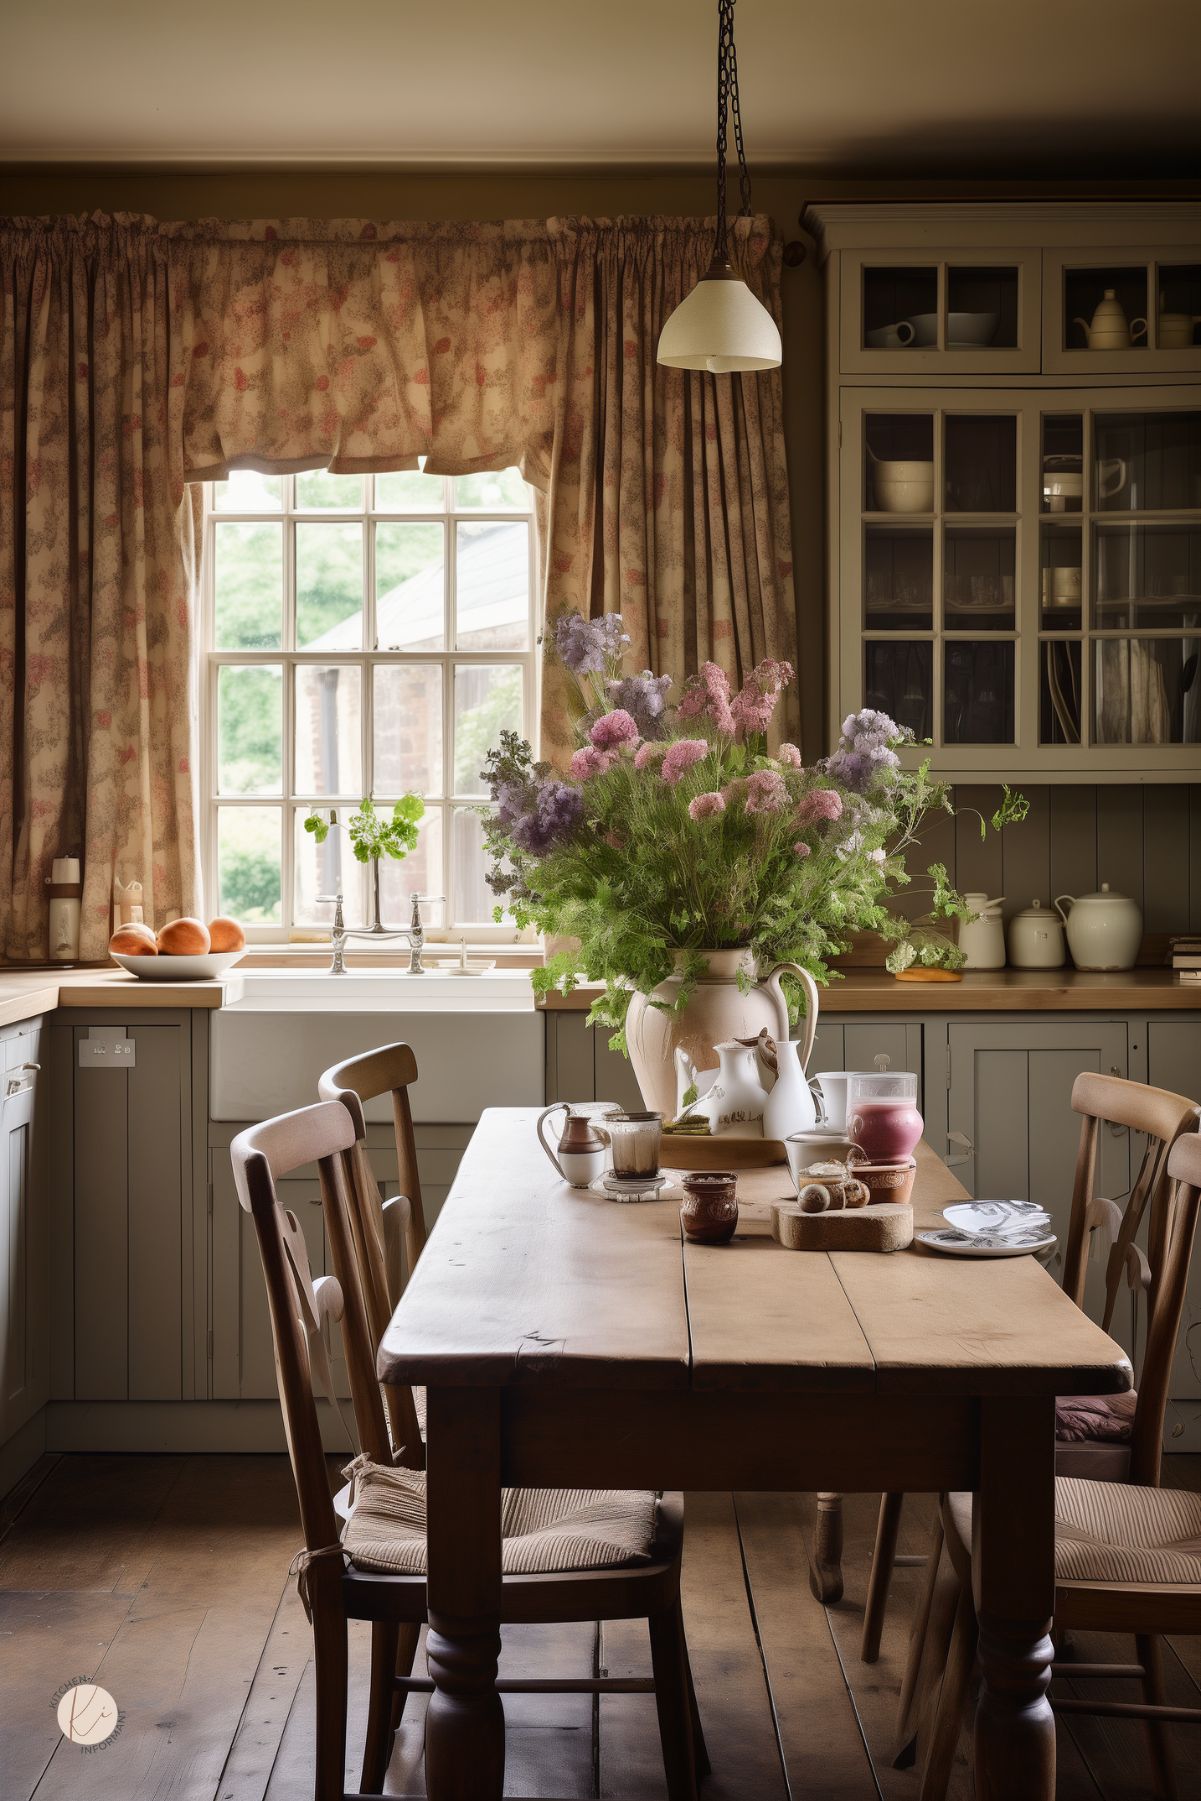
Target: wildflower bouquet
677 832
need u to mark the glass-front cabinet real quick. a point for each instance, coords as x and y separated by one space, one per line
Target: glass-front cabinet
1014 551
1020 579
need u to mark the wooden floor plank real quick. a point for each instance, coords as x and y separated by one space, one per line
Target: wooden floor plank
88 1524
824 1753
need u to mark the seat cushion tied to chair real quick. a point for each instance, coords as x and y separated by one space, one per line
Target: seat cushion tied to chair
544 1531
1116 1532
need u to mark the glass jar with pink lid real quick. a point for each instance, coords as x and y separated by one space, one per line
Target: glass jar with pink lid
882 1113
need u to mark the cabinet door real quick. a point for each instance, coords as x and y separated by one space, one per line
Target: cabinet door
132 1131
1009 1095
942 312
22 1272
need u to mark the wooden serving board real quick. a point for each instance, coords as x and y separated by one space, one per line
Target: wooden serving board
880 1227
728 1150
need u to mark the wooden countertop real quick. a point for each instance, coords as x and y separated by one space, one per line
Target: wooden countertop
984 991
26 993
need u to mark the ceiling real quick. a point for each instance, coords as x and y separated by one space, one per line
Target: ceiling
1047 88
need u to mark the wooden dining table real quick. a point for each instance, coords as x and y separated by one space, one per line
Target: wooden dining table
568 1342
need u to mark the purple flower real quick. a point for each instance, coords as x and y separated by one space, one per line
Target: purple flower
707 695
818 805
766 792
554 817
866 751
707 806
644 698
587 646
589 761
613 730
681 756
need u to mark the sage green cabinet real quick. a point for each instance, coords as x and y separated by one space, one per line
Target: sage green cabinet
123 1183
24 1230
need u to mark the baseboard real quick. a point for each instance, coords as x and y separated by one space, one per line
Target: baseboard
177 1426
19 1453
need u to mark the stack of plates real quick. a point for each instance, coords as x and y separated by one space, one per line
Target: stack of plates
992 1229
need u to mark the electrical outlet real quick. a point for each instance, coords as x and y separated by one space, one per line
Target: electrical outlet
107 1047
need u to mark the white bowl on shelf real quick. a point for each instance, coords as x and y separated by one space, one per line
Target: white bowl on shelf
965 331
903 486
164 968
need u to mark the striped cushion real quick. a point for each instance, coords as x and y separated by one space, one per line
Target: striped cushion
544 1530
1116 1532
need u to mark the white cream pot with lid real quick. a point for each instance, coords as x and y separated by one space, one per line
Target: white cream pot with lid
1036 938
982 938
1104 929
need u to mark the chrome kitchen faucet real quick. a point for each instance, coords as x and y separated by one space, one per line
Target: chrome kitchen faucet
414 932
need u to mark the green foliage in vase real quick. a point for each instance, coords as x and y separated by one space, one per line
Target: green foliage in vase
374 835
678 831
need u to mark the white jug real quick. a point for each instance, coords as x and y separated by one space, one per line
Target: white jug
790 1107
1104 929
735 1099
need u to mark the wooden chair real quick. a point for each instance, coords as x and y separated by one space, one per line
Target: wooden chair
1127 1553
390 1233
391 1070
333 1587
1161 1116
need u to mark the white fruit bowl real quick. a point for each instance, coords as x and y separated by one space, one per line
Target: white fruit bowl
903 487
178 969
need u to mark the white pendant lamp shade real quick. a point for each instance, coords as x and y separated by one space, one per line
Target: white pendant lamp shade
720 327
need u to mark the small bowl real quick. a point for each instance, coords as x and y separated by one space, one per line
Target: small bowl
891 1182
164 968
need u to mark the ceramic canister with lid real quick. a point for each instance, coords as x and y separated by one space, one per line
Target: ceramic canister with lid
1104 929
1036 938
982 938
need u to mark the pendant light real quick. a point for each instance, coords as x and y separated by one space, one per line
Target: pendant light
720 326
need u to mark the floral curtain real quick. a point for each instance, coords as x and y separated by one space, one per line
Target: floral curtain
97 562
669 495
137 358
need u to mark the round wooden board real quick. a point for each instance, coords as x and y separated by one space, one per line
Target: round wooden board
727 1151
928 975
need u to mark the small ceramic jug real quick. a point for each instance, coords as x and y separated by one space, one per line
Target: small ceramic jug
737 1098
790 1105
580 1157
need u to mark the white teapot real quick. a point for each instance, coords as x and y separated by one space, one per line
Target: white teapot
1108 328
1104 929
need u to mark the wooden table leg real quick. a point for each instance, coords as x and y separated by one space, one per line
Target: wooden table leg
1013 1575
465 1723
825 1565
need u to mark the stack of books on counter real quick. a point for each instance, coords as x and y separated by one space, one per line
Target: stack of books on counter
1185 958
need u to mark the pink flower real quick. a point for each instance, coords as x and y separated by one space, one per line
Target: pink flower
647 754
707 694
589 761
755 702
766 792
706 806
681 756
819 804
612 730
801 848
789 755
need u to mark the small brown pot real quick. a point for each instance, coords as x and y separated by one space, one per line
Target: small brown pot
709 1212
891 1182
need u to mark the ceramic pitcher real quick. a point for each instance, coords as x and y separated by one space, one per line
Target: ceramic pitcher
580 1155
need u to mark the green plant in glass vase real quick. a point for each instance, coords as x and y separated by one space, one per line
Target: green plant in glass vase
373 835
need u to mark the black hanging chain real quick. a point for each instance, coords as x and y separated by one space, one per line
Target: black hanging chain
727 108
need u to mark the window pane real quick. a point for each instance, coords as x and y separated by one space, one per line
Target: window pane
978 703
899 680
420 870
1059 692
1145 691
487 701
898 569
324 492
248 586
1147 575
492 586
329 587
474 900
250 729
248 863
410 587
981 463
408 729
1147 462
899 463
247 491
327 868
900 307
409 491
978 572
498 491
328 740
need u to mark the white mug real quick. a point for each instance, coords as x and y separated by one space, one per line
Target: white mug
831 1087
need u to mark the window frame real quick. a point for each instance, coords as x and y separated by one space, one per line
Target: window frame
291 802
